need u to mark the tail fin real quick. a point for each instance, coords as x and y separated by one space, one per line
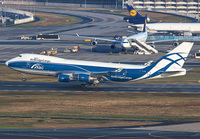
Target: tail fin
174 59
145 23
133 12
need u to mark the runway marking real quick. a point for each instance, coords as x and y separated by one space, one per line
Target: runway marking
150 134
28 135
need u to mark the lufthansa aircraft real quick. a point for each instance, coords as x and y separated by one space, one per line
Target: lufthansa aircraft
186 29
91 73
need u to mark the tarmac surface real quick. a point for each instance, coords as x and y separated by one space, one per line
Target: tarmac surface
96 133
103 87
100 25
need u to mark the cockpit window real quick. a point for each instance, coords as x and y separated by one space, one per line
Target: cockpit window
19 55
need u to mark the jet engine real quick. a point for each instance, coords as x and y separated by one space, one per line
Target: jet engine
112 46
94 43
175 44
85 78
64 78
77 77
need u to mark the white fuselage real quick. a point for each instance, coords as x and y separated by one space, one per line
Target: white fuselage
172 27
128 42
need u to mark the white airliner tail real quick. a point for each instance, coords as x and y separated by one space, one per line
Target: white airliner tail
180 53
175 59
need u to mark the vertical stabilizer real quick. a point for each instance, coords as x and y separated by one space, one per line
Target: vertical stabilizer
174 59
135 17
133 12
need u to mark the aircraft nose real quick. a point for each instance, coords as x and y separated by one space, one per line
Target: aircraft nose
7 63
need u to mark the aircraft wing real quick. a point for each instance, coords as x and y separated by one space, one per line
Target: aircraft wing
100 74
95 38
97 75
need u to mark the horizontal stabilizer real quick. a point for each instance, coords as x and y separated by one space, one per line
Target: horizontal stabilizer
172 73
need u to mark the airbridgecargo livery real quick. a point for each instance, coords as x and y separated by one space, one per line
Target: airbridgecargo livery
92 73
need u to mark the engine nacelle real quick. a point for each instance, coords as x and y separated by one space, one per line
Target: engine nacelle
64 78
175 44
112 46
187 33
84 78
94 43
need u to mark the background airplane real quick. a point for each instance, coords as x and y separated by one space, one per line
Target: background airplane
186 29
136 41
91 73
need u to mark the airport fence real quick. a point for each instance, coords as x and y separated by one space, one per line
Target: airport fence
29 18
32 3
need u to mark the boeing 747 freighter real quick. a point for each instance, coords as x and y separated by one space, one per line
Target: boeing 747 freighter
92 73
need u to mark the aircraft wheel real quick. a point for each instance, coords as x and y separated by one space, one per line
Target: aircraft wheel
93 84
23 79
84 85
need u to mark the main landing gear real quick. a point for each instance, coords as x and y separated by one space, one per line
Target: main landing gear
89 85
23 77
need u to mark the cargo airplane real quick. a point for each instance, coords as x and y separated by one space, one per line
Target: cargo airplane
92 73
185 29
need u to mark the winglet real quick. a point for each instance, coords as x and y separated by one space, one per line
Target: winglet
77 35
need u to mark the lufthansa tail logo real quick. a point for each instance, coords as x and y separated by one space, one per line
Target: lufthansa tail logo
133 12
